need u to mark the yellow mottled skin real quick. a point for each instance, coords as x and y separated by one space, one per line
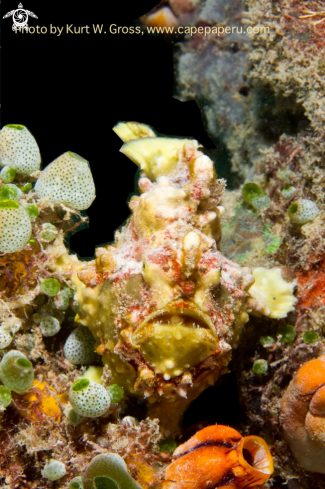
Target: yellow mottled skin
164 305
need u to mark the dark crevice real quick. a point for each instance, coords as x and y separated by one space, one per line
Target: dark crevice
276 114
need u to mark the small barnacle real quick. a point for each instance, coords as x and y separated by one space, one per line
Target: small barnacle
89 398
48 232
112 466
67 180
255 197
15 226
271 295
49 325
16 372
7 174
54 470
79 347
303 211
18 149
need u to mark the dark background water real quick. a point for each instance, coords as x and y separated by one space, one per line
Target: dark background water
70 90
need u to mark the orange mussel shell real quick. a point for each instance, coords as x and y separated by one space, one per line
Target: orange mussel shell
218 456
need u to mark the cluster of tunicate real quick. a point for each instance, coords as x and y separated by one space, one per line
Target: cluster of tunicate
16 372
108 467
18 149
67 180
79 347
89 398
303 211
54 470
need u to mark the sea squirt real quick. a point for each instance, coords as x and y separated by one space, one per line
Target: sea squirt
303 415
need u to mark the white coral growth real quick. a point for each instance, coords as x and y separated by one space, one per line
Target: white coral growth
67 180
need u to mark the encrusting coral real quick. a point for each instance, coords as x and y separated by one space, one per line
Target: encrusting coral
303 415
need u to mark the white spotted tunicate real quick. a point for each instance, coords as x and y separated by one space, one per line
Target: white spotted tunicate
16 372
88 398
15 226
303 211
49 326
18 149
79 347
10 191
5 338
288 191
48 231
54 470
67 180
